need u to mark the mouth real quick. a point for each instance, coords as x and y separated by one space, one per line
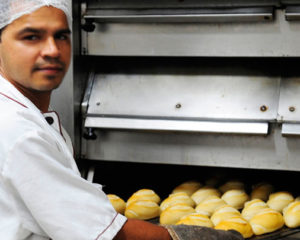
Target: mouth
50 69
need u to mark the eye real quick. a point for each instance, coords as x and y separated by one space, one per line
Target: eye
62 36
31 37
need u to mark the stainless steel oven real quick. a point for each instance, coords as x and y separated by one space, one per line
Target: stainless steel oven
177 90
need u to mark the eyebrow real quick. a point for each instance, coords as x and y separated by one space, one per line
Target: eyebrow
37 30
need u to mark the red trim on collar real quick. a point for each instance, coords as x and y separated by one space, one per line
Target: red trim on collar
13 100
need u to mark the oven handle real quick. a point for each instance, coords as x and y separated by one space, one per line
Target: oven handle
255 128
183 15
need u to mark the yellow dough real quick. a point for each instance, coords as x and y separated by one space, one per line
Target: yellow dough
223 213
209 205
196 219
173 214
188 187
235 198
253 207
236 223
144 210
117 202
144 194
261 191
291 215
279 200
180 197
265 221
204 192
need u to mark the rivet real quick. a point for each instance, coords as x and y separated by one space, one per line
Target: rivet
178 105
263 108
292 109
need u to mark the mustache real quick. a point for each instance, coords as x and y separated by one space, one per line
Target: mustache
52 62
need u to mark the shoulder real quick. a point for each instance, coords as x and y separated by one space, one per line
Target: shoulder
17 122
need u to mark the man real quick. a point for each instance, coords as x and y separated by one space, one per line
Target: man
42 195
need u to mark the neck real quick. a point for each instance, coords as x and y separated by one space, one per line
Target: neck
41 99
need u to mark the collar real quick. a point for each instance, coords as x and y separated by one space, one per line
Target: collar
9 91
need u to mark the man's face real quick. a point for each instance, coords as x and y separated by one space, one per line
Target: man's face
35 50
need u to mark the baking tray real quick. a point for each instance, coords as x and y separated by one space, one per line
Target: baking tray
279 234
283 233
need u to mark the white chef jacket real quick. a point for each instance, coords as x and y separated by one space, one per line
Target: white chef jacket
42 195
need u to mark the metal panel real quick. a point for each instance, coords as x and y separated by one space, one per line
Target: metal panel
277 38
253 152
289 105
185 96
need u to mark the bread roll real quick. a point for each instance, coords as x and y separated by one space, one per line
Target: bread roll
265 221
235 198
144 210
173 214
232 184
209 205
144 194
253 207
236 223
196 219
261 191
188 187
117 202
180 197
223 213
291 215
203 193
279 200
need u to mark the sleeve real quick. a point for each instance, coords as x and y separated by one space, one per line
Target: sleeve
62 203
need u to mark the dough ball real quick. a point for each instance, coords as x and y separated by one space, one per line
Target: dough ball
196 219
291 215
173 214
117 202
261 191
236 223
279 200
180 197
253 207
144 194
232 184
144 210
223 213
209 205
235 198
188 187
265 221
204 192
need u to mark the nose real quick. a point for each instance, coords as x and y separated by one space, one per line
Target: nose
50 48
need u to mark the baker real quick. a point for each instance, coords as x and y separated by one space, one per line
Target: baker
42 195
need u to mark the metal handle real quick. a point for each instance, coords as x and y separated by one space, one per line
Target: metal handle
181 15
256 128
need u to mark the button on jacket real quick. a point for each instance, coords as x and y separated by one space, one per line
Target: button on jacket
42 195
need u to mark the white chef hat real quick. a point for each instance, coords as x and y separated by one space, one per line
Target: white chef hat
10 10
